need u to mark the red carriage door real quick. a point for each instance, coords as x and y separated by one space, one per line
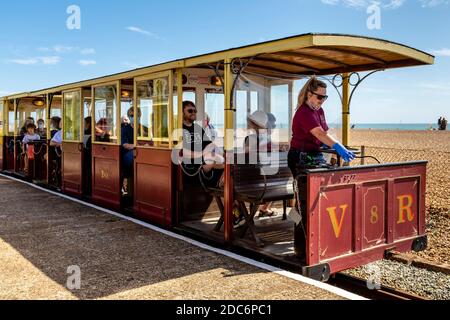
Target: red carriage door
106 188
72 161
153 174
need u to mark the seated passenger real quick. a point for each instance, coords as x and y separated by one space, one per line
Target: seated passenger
198 155
87 155
259 141
127 149
87 137
101 131
57 140
29 137
55 126
41 130
23 130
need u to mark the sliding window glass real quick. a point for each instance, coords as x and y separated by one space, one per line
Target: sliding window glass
11 119
153 112
105 114
72 116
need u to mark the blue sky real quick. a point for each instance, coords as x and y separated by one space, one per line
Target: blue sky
38 51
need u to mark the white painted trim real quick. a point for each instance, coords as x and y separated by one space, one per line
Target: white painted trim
281 272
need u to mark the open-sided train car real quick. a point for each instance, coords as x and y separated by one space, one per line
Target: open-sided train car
355 214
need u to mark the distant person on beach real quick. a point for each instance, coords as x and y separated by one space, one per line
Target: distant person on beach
444 124
440 123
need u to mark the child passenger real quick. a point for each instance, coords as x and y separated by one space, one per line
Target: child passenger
30 136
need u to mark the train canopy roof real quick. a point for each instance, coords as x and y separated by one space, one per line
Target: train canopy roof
293 57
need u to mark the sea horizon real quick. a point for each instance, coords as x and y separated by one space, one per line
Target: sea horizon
367 126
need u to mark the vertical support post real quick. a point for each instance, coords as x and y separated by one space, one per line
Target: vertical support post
291 108
346 109
170 110
180 103
135 112
118 113
363 154
229 152
48 118
48 122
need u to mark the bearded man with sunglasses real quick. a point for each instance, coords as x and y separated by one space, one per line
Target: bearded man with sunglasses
198 151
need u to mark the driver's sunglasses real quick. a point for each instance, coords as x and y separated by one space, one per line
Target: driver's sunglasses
191 111
319 96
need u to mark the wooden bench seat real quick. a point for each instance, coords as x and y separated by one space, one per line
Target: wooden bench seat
256 184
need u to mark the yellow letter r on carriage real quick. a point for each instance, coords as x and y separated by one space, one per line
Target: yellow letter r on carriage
405 207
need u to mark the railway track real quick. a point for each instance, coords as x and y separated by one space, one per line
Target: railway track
359 286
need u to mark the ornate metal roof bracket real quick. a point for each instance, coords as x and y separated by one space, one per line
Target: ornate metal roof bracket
337 85
237 67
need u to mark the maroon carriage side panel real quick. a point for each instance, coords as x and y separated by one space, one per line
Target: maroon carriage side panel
356 214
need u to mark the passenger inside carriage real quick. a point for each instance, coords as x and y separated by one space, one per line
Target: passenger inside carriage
23 130
199 153
87 154
261 124
41 130
54 151
126 152
30 136
55 126
102 133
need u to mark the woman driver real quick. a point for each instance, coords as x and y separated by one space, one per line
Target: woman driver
310 133
310 129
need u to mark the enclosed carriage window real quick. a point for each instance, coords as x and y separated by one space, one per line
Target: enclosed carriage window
105 114
279 106
214 107
28 112
153 107
246 104
72 116
11 119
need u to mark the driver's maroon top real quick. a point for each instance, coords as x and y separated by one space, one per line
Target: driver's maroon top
305 120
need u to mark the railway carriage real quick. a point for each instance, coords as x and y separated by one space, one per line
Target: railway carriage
355 213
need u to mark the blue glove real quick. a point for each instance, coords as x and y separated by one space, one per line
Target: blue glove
348 156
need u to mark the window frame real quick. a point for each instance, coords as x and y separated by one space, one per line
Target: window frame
164 74
63 100
119 127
